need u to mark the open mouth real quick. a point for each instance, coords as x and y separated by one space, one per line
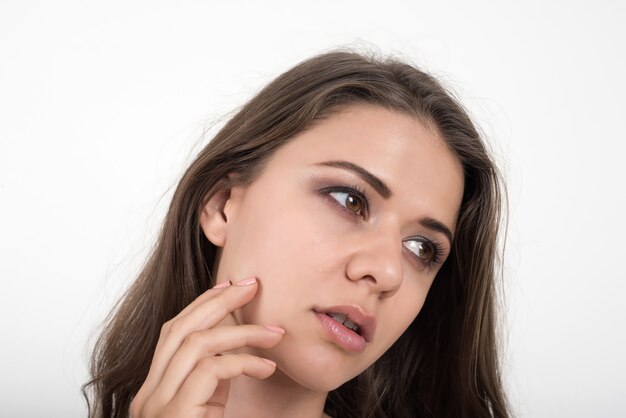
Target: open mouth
348 323
343 319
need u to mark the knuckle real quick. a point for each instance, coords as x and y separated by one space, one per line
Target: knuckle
195 338
222 303
221 311
166 328
206 364
174 328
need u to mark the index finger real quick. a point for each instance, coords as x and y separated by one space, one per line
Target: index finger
206 295
203 316
211 310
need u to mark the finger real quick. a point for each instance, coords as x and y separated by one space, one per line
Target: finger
208 294
204 316
199 387
219 398
157 362
229 298
207 343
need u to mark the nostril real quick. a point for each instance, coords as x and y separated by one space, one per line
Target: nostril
385 294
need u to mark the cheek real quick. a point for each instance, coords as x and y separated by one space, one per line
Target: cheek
288 247
288 236
402 309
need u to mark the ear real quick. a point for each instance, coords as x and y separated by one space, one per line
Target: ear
214 216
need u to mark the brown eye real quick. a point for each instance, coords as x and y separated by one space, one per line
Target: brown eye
423 250
354 203
351 201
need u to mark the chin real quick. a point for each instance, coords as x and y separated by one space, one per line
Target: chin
320 369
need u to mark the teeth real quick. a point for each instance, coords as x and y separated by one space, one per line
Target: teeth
351 325
343 319
338 317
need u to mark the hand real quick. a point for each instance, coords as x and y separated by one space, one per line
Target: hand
188 376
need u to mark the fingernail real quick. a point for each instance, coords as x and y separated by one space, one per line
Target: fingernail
222 285
270 362
246 282
275 329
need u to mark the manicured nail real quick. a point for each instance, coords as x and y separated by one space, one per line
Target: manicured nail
246 282
275 329
270 362
222 285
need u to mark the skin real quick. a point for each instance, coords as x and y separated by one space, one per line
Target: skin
308 246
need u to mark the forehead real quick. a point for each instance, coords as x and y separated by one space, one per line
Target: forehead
411 158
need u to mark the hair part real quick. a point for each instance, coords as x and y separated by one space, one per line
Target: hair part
445 364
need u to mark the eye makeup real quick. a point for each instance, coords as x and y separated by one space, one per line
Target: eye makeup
431 252
352 197
353 202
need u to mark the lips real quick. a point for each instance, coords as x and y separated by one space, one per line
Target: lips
353 318
345 321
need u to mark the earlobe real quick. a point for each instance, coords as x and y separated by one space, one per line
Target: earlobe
213 219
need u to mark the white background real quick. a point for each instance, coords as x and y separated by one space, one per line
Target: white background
102 105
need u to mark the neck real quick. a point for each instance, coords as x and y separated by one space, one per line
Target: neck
275 397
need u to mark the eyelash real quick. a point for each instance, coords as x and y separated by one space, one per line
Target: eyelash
436 248
355 191
360 193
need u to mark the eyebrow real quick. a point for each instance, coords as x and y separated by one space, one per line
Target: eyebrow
384 190
371 179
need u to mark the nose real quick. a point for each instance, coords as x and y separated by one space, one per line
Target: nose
377 259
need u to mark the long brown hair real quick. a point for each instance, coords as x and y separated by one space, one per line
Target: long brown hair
446 364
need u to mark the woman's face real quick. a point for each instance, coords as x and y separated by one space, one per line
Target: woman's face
350 217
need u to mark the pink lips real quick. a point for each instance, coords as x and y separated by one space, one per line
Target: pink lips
342 335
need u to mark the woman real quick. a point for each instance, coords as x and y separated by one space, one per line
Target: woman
331 252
